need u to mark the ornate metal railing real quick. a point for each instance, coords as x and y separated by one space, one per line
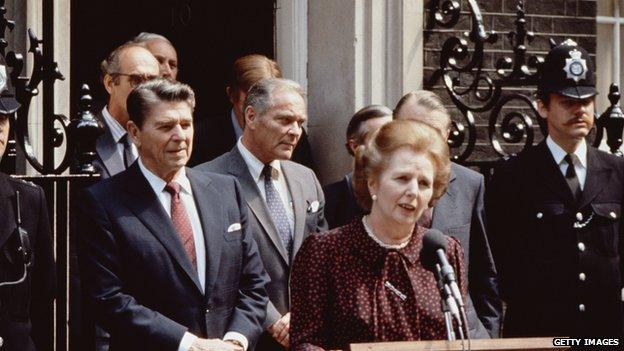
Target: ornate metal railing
73 139
473 90
77 135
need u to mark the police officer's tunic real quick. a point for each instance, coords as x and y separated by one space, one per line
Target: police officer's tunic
26 308
559 259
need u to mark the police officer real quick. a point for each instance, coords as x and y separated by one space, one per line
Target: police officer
555 215
27 275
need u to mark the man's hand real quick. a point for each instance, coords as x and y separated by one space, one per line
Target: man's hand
280 331
214 345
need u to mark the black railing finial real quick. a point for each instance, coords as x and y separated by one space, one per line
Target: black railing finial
84 132
612 120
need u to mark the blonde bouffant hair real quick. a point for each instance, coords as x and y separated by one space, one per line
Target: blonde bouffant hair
371 159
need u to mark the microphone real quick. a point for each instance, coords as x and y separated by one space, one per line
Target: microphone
434 248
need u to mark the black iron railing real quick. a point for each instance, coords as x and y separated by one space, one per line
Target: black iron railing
473 90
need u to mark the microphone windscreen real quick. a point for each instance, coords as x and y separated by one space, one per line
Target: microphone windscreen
432 241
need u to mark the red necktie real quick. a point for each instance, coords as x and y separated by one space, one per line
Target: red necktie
181 221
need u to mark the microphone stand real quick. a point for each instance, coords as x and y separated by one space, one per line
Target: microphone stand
448 319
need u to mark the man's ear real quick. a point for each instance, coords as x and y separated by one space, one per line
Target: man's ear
250 117
542 109
109 82
134 132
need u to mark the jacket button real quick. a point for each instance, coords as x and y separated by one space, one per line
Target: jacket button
579 216
207 310
581 246
539 215
613 215
1 341
582 277
581 308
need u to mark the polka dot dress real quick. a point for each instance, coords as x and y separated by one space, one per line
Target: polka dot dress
346 288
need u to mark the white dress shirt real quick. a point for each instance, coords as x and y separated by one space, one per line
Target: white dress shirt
255 167
118 131
579 159
186 196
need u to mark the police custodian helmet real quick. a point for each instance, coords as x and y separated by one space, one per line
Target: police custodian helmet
8 104
567 71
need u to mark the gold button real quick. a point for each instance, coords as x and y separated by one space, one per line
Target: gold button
539 215
579 216
581 246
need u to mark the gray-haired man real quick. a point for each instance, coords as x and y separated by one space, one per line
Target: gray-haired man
285 198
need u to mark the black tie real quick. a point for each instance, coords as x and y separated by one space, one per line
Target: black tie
571 178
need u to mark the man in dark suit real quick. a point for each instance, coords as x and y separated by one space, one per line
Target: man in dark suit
168 261
341 206
163 51
27 276
555 212
285 197
460 213
125 67
217 135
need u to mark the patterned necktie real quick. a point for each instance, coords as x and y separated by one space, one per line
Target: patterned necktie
276 209
181 222
571 178
128 156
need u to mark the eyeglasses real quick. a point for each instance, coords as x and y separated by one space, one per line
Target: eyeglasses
135 79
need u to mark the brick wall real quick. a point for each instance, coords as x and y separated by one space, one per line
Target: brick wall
557 19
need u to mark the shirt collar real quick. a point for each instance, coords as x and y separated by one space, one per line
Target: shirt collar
559 154
117 130
238 130
158 184
256 166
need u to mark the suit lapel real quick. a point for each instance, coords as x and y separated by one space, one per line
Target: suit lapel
549 174
143 202
597 177
238 168
211 216
299 206
7 201
106 148
446 205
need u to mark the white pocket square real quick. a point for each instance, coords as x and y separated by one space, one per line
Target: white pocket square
314 206
234 227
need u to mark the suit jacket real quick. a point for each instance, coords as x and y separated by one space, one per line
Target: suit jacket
140 283
559 259
215 136
26 310
305 191
341 206
108 162
460 213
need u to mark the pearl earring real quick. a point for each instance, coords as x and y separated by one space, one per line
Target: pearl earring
374 197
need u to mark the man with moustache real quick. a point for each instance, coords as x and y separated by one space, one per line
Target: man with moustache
168 262
125 67
555 212
285 198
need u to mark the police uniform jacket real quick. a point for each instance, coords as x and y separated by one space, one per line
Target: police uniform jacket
26 308
558 259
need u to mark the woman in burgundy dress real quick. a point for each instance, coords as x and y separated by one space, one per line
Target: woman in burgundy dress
364 282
